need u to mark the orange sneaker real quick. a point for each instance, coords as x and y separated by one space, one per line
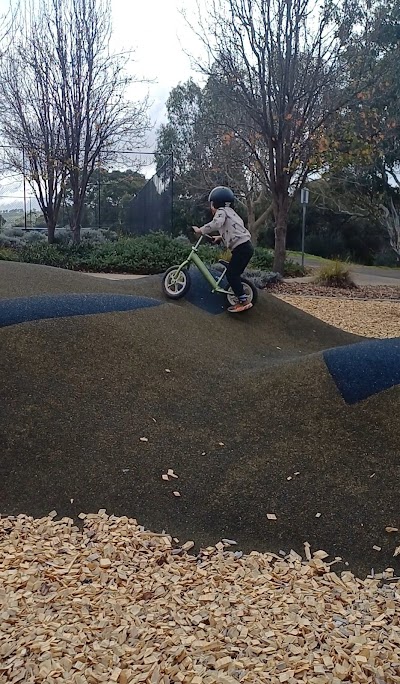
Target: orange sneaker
239 307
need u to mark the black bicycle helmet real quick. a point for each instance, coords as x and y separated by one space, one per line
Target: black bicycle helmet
221 197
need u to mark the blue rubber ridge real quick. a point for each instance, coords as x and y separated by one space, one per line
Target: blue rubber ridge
200 294
364 369
36 308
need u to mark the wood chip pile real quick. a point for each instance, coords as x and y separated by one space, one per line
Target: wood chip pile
307 289
380 319
111 602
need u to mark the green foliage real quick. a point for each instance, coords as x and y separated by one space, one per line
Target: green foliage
387 258
142 255
61 256
335 275
107 199
8 255
343 220
263 259
293 270
207 152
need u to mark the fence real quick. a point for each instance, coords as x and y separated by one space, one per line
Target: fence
152 208
125 194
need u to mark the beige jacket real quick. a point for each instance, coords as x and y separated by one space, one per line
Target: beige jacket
230 226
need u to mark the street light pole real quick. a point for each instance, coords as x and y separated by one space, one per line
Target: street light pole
304 199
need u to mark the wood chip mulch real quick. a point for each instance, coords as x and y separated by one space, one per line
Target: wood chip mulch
111 602
384 292
366 311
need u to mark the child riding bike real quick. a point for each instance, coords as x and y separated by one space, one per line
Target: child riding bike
236 238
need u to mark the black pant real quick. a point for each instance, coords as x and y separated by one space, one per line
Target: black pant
241 256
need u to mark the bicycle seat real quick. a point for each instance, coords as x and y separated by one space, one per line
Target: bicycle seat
223 262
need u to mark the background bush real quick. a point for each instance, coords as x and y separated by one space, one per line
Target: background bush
387 257
7 255
335 275
17 238
145 254
142 255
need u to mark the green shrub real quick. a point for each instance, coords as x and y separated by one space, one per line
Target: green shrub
60 256
263 260
143 255
293 270
89 236
335 274
148 254
386 257
7 255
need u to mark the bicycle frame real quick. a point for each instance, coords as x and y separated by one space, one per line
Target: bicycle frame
194 258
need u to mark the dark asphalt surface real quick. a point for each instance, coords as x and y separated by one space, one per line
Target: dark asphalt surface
248 403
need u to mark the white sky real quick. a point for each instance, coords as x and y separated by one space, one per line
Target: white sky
159 35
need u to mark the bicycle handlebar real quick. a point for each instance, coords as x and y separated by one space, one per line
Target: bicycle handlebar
208 238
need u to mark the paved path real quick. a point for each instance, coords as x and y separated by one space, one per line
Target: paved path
360 279
363 275
116 276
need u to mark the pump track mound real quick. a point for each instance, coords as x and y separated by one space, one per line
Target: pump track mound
105 386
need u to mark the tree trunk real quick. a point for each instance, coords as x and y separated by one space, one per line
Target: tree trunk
75 223
51 229
255 225
280 209
251 220
76 234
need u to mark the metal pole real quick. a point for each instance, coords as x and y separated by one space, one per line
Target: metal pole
303 235
172 192
99 199
23 173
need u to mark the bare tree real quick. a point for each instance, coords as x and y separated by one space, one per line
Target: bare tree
72 111
8 26
93 109
30 123
282 62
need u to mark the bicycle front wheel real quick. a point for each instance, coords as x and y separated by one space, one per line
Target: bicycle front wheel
176 283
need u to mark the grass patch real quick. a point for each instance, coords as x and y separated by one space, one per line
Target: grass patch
297 255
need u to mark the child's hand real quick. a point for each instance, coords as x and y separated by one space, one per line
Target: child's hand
216 239
196 230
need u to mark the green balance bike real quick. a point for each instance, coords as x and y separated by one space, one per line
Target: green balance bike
176 281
